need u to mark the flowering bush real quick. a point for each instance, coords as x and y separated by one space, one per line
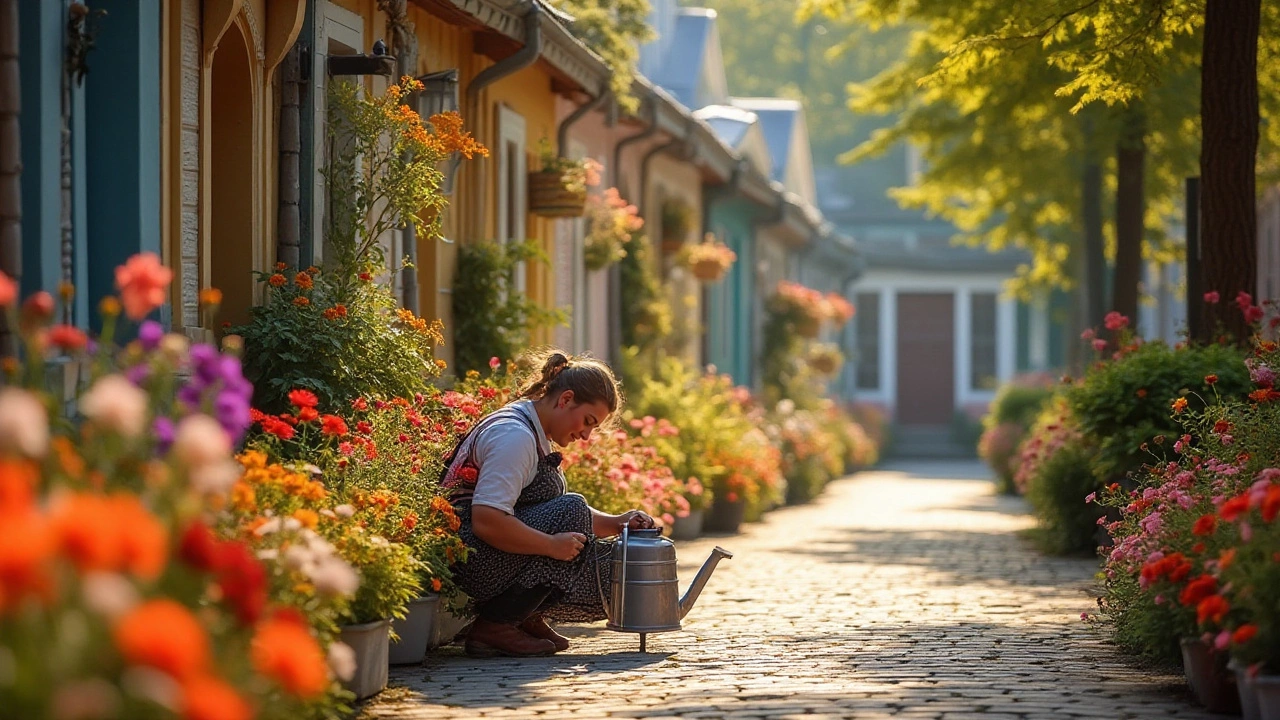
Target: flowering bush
1012 413
1196 544
611 223
339 343
617 472
811 455
116 594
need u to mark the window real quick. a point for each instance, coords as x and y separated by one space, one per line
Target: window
512 188
867 326
982 346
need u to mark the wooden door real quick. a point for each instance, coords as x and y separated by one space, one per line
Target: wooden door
926 359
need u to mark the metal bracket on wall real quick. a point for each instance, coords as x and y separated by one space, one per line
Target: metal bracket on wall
362 65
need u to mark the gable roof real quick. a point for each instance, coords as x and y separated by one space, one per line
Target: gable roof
778 118
692 52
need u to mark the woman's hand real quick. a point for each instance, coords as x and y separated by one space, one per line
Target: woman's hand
635 519
566 545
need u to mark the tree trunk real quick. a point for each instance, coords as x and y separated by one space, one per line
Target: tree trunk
1130 211
1094 291
1228 157
10 162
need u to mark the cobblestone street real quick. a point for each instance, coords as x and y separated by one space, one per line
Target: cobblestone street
903 592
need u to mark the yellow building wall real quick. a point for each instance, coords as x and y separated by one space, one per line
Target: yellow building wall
472 215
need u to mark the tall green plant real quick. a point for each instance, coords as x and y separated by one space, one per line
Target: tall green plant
491 317
646 314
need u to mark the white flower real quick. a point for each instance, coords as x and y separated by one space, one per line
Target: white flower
268 527
345 511
268 555
116 404
297 557
175 347
786 406
109 594
24 423
342 661
200 441
217 478
333 576
292 524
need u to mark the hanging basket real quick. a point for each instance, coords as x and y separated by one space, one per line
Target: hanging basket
809 327
548 196
708 270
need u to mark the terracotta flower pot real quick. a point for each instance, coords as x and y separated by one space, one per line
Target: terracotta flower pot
415 631
371 642
1206 671
688 527
549 197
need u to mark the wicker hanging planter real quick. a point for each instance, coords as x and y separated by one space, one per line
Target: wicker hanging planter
708 270
549 197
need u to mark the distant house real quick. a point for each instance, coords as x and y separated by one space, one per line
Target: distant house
934 336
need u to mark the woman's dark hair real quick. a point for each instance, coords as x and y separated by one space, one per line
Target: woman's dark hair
590 380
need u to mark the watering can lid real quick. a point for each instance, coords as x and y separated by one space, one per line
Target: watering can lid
647 533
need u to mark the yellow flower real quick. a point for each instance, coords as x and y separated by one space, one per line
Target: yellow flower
211 296
109 306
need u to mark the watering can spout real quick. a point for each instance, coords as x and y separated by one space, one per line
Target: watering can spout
700 580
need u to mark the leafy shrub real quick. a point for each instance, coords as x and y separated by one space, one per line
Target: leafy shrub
1123 404
1009 419
1067 523
491 318
618 472
646 315
340 344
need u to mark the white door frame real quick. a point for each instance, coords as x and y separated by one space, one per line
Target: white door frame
346 28
512 176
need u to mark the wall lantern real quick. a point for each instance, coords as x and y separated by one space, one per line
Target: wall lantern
376 63
440 94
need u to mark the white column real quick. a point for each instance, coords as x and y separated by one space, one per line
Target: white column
1006 337
1038 332
963 344
888 390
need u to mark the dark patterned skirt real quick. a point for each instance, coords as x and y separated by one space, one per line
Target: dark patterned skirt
581 584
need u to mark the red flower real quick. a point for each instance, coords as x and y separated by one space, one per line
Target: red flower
277 427
199 547
1212 297
1253 314
1214 607
1234 508
333 425
1243 300
307 414
360 404
364 428
1115 321
243 581
1210 379
468 473
256 415
1205 525
67 337
303 398
1271 504
1244 634
1221 426
1197 590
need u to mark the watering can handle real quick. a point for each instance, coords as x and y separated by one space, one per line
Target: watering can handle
622 581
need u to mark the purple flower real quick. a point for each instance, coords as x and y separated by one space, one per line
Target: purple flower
205 362
150 333
232 411
164 432
138 374
190 396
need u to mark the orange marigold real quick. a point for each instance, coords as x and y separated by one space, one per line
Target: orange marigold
301 301
303 281
205 697
211 296
164 635
18 481
308 518
277 280
110 534
284 650
26 546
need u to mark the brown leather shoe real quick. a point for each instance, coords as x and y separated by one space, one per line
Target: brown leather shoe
537 626
488 639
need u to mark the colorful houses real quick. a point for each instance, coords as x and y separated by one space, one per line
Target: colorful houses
197 130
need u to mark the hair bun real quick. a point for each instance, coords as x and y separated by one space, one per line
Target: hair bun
556 363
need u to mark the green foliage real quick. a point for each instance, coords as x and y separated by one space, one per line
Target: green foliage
614 29
1141 626
491 317
646 315
305 338
1124 404
1067 524
1018 403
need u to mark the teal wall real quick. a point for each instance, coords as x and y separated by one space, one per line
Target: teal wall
40 33
731 301
122 134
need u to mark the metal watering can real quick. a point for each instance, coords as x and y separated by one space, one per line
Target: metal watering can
644 595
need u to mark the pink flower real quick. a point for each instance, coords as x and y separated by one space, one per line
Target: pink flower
8 290
1253 314
1088 334
494 362
1212 297
1243 300
142 282
1099 345
1115 321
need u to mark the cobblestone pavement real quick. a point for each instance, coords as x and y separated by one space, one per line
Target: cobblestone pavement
903 592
